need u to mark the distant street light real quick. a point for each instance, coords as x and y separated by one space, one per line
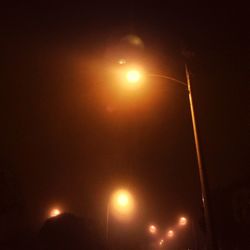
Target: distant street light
121 205
182 221
161 242
170 234
152 229
54 212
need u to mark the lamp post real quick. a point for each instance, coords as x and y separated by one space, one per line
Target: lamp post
202 174
121 205
201 169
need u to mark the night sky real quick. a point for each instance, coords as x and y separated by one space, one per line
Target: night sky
69 139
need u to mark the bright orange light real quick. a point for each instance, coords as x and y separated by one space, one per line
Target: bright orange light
182 221
170 233
122 199
129 77
133 79
122 203
133 76
55 212
152 229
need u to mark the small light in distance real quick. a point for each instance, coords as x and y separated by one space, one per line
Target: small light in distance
54 212
170 234
182 221
152 229
161 242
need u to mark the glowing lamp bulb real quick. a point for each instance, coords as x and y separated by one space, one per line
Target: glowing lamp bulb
122 204
170 233
152 229
55 212
161 242
183 221
133 76
122 199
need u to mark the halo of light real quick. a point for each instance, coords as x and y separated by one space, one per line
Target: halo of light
152 229
182 221
54 212
133 76
170 233
161 242
122 204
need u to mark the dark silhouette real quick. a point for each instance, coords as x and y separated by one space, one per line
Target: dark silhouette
67 231
232 210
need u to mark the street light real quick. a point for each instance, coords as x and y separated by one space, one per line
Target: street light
201 169
182 221
133 76
152 229
54 212
121 204
161 242
170 234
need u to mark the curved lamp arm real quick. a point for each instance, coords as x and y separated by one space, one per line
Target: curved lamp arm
169 78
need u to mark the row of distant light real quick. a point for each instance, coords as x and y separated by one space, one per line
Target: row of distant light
152 228
123 205
170 233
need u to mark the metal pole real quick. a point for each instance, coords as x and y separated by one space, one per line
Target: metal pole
202 175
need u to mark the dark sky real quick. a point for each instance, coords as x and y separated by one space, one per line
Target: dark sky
69 140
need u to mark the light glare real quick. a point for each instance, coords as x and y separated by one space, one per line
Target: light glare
152 229
133 76
122 204
55 212
161 242
170 233
122 199
182 221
